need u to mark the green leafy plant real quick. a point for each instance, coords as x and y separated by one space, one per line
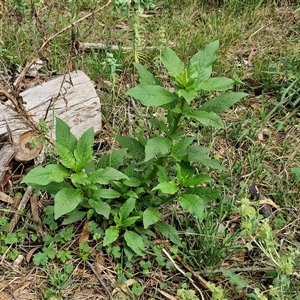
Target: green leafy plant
169 166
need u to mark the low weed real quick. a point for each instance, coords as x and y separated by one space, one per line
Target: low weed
127 198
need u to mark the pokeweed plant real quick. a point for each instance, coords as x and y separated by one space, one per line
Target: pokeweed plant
127 188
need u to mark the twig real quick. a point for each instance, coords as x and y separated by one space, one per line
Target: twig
21 206
183 273
100 46
47 41
100 280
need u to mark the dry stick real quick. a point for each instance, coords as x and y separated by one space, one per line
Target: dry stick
100 280
200 279
183 273
45 43
21 206
100 46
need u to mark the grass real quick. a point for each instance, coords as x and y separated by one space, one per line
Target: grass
254 147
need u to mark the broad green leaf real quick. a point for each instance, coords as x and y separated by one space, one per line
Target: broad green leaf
161 174
145 76
52 188
113 159
45 175
135 242
135 148
223 102
80 178
157 146
205 57
167 187
108 194
160 124
66 156
196 180
83 152
152 95
64 136
74 216
106 176
11 238
184 171
206 118
200 65
195 152
111 235
188 95
199 154
133 182
100 207
150 216
130 221
172 62
193 203
205 193
65 201
127 207
182 145
216 84
168 231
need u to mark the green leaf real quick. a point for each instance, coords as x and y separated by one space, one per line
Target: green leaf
52 188
40 259
205 193
193 203
206 118
106 176
200 65
196 152
100 207
150 216
223 102
108 194
152 95
135 242
113 159
135 148
172 62
133 182
160 124
10 239
295 174
65 201
127 207
167 187
235 279
196 180
66 156
168 231
111 235
130 221
157 146
74 216
182 145
216 84
83 152
45 175
145 76
64 136
80 178
188 95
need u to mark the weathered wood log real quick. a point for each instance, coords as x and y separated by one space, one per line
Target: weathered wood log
71 97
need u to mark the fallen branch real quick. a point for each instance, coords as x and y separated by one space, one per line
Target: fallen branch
84 46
